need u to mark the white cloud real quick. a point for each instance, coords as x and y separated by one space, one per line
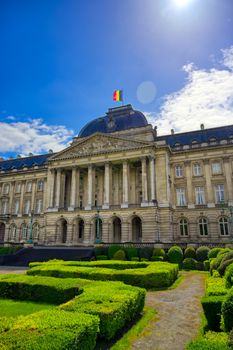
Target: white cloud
207 97
33 136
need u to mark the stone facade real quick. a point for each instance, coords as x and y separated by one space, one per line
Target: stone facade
130 184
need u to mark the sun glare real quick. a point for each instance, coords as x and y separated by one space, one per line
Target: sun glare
181 2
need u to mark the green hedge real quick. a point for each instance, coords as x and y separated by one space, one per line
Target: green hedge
212 309
175 255
227 312
216 286
114 302
9 250
44 289
156 275
210 341
189 264
53 330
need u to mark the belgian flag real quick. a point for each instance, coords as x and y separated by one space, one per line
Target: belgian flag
118 95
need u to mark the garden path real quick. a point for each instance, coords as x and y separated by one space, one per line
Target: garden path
12 269
178 315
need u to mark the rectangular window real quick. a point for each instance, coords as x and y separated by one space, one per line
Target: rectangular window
219 194
197 169
180 194
200 195
40 185
179 171
16 209
6 189
216 168
39 206
18 187
27 207
4 207
29 186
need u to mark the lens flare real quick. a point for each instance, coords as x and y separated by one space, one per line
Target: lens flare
181 2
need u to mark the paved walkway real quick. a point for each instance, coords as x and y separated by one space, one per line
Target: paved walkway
12 269
178 315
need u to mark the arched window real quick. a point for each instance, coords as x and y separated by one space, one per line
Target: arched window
24 232
183 227
203 227
223 226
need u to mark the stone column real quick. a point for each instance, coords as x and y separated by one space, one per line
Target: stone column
125 183
144 183
21 199
33 195
228 175
11 197
50 187
106 186
188 174
152 178
58 189
89 189
73 189
209 189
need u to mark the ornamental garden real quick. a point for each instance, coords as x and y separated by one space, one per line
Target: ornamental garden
79 305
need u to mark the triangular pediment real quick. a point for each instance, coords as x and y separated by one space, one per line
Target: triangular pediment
99 143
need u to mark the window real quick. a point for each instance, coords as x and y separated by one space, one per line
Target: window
197 169
25 231
183 227
27 207
40 185
16 207
17 187
216 168
223 226
179 171
29 186
203 227
180 194
5 207
39 206
200 195
219 193
6 188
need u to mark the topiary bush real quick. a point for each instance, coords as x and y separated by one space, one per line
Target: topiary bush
189 264
175 255
227 312
224 265
190 252
206 265
145 252
119 255
229 275
200 266
212 309
156 258
213 253
202 253
159 252
131 252
112 249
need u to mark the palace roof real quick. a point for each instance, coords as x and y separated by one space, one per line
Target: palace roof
27 162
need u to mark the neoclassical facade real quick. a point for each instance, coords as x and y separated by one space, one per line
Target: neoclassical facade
121 180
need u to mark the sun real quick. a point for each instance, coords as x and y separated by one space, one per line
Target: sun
181 2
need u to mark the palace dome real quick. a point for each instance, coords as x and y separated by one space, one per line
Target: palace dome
116 119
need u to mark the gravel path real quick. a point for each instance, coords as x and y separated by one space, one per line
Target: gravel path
12 269
178 315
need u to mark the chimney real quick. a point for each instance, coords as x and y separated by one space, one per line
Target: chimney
202 126
172 132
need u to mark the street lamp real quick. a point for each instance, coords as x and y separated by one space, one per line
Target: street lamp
98 238
30 241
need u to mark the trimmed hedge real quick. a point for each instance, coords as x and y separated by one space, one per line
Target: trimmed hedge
131 252
189 264
159 252
156 258
53 330
190 252
227 312
212 309
213 253
44 289
216 286
229 275
101 257
119 255
114 302
156 275
224 264
175 255
210 341
112 249
202 253
145 252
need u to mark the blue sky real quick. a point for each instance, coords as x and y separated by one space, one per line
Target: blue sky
60 61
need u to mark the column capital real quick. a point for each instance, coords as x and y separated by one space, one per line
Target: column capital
152 157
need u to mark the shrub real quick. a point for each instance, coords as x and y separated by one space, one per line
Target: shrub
189 264
227 312
155 275
115 303
210 341
223 266
206 265
212 309
229 275
101 257
202 253
131 252
144 259
112 249
200 266
190 253
54 330
100 250
119 255
230 339
43 289
215 286
213 253
156 258
145 252
175 255
159 252
135 258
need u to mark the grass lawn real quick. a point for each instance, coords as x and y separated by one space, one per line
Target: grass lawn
13 308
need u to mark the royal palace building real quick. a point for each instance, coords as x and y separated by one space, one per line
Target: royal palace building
121 182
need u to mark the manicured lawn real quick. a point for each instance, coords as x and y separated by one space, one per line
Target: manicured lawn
12 308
